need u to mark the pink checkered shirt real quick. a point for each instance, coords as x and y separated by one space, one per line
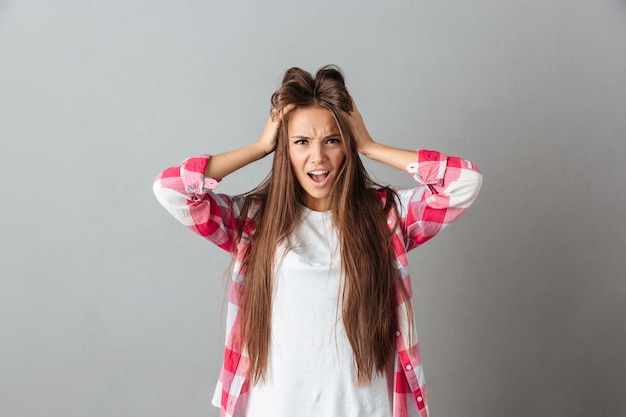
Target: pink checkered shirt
447 186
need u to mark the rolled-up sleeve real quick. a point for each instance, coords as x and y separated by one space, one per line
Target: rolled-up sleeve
448 185
188 195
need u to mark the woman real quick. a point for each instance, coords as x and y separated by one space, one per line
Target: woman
319 317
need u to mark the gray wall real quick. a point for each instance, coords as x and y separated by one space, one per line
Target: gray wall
109 308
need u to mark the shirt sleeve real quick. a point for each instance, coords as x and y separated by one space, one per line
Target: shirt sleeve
188 195
448 185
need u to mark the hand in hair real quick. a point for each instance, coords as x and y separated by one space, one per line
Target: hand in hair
397 158
223 164
363 138
270 133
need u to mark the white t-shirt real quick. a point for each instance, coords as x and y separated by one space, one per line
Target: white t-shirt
311 370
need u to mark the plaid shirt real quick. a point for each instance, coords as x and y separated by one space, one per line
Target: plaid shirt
446 188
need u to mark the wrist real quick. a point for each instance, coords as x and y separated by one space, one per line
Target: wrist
369 149
259 150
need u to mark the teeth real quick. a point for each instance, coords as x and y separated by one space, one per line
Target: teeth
318 172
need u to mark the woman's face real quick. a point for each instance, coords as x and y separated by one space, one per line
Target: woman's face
316 153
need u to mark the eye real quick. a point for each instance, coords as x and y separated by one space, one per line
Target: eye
333 140
300 142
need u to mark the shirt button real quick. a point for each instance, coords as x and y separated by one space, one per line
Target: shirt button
397 333
409 367
389 221
420 399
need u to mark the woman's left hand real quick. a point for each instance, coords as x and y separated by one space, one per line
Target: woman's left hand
362 136
397 158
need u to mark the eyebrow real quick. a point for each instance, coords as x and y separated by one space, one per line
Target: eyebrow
332 135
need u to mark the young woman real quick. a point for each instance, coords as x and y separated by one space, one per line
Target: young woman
319 318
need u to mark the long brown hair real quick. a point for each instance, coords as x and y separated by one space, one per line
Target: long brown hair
369 278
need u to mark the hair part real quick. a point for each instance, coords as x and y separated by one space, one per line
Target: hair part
369 279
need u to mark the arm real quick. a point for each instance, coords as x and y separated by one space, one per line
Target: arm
448 185
223 164
397 158
186 191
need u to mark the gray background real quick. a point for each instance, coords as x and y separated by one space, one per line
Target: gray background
108 307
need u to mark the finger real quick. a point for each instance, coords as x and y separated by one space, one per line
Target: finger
273 114
278 114
286 109
354 107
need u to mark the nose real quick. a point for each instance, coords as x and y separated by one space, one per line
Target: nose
318 153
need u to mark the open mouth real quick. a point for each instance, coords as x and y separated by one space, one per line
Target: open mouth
318 176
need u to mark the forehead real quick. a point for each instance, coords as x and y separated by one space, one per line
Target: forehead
311 122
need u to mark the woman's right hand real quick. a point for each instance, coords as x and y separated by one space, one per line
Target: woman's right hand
223 164
270 133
